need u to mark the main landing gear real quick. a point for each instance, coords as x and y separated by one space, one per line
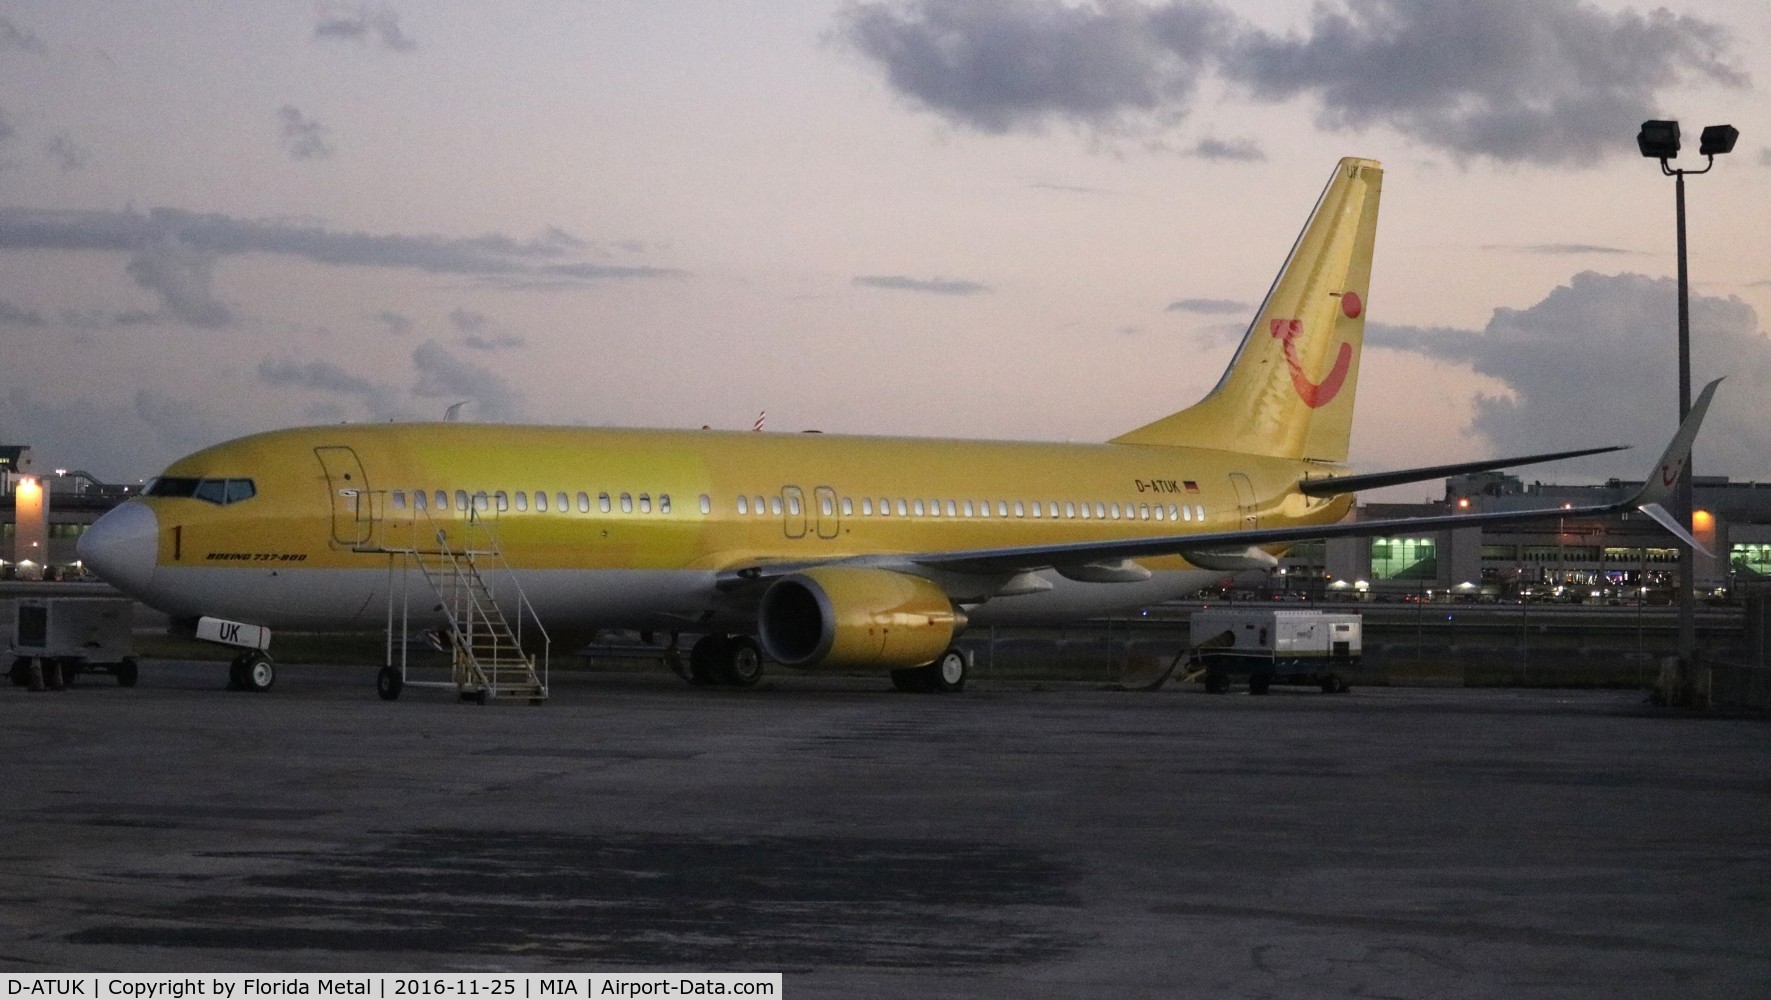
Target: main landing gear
944 676
252 670
725 659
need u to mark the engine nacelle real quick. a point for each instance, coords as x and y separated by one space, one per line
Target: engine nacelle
842 616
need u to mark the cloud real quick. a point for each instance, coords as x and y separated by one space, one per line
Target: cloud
359 22
1209 307
304 138
1765 157
1549 82
932 286
17 39
1236 150
120 441
1560 249
66 154
496 342
396 324
442 375
1017 65
1552 81
466 320
180 275
1595 363
490 256
12 315
382 402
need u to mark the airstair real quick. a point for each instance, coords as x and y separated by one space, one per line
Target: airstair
486 646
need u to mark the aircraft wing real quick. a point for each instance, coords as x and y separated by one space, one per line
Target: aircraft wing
1328 486
1234 550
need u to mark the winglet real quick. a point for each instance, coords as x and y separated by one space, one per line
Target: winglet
1676 460
1675 463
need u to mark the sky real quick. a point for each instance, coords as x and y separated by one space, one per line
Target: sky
1019 219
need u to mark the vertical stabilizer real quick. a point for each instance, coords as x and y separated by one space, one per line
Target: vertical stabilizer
1289 390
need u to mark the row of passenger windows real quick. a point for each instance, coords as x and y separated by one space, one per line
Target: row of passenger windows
558 501
791 504
902 507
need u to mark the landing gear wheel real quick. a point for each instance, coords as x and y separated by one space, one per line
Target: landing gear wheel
947 674
252 671
127 671
742 665
705 658
389 683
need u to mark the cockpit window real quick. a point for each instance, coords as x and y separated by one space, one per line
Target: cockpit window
216 491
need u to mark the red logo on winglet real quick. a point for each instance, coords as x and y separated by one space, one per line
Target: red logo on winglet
1314 394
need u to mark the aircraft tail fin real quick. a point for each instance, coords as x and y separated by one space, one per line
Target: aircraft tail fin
1289 390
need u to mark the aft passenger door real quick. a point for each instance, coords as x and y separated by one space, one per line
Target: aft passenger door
1245 500
353 515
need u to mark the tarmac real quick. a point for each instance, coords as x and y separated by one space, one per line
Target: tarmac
1017 840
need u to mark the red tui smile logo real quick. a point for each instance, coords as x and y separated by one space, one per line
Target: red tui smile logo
1314 394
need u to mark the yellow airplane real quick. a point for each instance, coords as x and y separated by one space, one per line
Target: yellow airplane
807 550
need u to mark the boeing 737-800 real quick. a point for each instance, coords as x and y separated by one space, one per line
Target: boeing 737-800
808 550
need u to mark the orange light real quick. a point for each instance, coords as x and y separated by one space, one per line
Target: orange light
1463 503
1703 520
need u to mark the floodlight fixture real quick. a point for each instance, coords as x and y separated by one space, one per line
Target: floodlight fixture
1658 140
1718 139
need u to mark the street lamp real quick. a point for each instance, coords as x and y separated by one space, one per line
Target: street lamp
1659 140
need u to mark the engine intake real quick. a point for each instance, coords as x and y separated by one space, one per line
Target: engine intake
840 616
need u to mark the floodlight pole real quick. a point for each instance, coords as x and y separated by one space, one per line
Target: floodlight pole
1686 496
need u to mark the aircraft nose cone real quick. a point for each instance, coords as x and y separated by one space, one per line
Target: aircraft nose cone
121 547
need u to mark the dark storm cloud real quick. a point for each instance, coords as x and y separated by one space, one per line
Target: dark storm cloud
1551 81
1208 307
1594 363
220 235
442 375
1006 65
360 22
931 286
303 138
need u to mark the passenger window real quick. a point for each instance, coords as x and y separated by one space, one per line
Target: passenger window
522 500
460 499
1002 508
1158 512
482 502
501 501
603 503
916 508
1186 513
866 506
1052 510
540 500
1020 509
419 496
706 504
743 504
1069 509
903 509
1113 511
952 509
1100 510
627 503
848 507
663 503
399 498
1198 512
968 509
583 503
775 506
645 503
561 504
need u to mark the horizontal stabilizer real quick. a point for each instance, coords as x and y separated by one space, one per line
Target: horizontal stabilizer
1338 485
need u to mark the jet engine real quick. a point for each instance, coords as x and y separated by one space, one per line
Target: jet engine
841 616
